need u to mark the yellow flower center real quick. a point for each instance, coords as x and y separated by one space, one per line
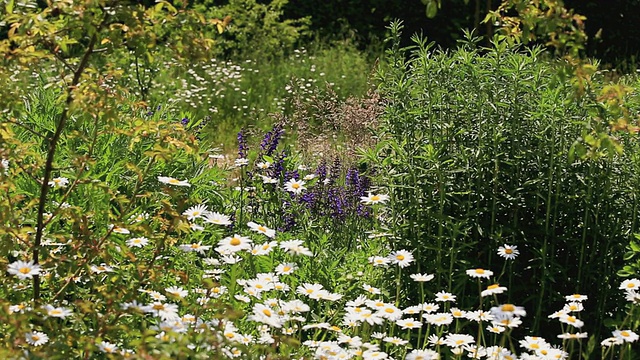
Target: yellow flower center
235 241
55 312
286 268
174 181
195 246
158 307
535 346
508 251
480 271
631 285
399 257
375 198
389 310
35 337
25 270
508 308
266 312
625 333
262 228
494 286
295 186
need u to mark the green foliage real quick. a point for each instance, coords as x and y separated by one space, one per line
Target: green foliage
256 30
476 157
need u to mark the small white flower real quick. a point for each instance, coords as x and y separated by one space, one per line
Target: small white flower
24 270
59 182
36 338
295 186
173 181
374 199
138 242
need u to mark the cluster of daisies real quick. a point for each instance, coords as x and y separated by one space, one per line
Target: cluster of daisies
276 304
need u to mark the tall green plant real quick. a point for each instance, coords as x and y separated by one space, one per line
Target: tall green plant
476 157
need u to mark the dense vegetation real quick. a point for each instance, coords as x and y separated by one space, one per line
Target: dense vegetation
201 181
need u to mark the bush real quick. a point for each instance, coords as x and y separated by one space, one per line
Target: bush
477 157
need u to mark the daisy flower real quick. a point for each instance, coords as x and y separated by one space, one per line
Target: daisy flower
199 248
371 199
630 284
234 243
421 277
263 165
438 318
295 186
379 260
573 307
508 252
395 340
608 342
458 340
571 320
445 296
59 182
422 355
401 257
119 230
479 273
493 289
262 229
576 297
24 270
308 289
173 181
241 162
36 338
58 312
176 291
165 311
625 335
107 347
294 247
268 180
99 269
508 310
138 242
570 336
286 269
217 218
496 329
409 323
370 289
195 211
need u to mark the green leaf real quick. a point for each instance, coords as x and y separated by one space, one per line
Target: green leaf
634 246
432 8
10 6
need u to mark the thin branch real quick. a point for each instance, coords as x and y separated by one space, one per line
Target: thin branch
44 188
28 129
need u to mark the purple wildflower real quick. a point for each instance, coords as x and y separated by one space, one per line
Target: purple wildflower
242 145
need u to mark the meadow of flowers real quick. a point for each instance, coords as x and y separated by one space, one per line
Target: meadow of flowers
268 257
437 227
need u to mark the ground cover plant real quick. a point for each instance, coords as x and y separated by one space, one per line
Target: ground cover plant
128 233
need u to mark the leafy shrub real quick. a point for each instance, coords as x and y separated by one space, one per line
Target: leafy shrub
256 30
477 157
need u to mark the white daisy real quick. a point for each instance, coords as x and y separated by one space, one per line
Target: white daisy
173 181
295 186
